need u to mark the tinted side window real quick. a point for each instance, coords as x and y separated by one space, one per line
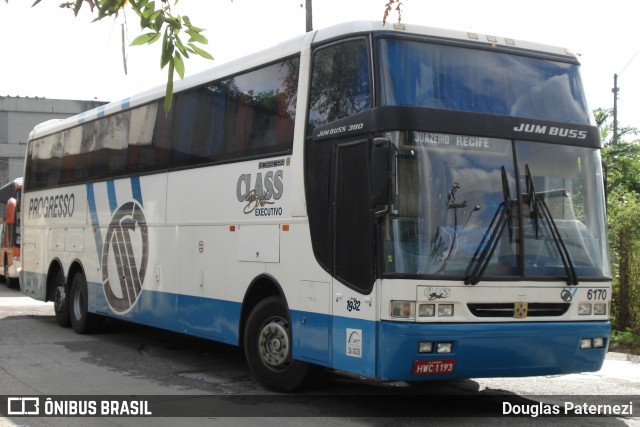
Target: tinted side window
340 82
113 146
251 114
248 115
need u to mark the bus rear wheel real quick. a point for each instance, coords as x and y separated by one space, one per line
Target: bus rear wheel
61 300
267 346
82 321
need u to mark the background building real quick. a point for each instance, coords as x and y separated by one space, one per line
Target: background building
18 116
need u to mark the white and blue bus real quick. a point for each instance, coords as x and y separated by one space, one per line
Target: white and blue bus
399 202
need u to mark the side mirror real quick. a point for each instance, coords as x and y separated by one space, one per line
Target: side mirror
381 172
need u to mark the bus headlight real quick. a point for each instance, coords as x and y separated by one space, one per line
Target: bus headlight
584 308
600 308
445 310
403 309
427 310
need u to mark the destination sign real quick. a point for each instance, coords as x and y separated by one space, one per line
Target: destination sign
459 142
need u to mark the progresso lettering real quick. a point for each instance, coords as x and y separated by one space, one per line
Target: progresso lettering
58 206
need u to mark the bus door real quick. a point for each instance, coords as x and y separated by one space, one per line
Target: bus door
354 332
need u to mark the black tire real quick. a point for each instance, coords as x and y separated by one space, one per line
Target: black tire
82 321
6 271
13 283
267 347
61 300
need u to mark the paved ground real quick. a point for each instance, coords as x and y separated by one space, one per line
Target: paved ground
39 358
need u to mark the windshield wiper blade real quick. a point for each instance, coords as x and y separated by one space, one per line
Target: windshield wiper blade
539 208
489 242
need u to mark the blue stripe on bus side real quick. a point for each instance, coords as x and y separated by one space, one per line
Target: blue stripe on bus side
93 212
203 317
113 200
389 349
136 190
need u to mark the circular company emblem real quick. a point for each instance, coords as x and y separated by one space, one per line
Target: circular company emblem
566 295
124 257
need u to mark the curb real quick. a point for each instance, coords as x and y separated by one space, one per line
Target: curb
612 355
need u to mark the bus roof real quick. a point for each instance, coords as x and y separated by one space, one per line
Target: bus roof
286 48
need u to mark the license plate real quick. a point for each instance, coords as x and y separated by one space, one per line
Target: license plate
430 367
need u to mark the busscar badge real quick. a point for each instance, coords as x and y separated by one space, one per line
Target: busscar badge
520 310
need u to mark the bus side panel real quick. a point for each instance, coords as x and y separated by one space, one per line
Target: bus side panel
209 318
354 345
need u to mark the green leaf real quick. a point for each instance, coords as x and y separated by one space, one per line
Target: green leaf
167 50
178 64
168 94
149 10
201 52
159 21
183 50
146 38
77 7
197 37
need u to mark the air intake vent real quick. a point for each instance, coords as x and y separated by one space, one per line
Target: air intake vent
507 309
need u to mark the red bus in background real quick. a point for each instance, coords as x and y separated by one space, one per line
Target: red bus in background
10 265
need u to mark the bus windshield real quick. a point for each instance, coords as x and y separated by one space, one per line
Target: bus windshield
464 209
420 74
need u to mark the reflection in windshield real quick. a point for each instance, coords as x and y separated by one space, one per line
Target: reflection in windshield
462 210
483 81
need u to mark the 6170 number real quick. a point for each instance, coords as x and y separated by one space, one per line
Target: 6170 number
597 294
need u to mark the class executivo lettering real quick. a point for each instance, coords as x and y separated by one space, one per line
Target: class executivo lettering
261 192
532 128
58 206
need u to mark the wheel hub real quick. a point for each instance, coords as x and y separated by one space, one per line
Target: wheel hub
59 298
273 344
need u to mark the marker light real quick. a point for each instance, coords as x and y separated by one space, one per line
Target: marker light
600 308
427 310
403 309
425 347
444 347
584 308
586 343
445 310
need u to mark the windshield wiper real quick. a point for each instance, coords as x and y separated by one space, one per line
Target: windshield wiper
538 207
489 242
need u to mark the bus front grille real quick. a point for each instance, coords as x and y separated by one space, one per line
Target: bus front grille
508 309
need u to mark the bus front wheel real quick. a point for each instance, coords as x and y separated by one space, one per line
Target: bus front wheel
82 321
267 346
